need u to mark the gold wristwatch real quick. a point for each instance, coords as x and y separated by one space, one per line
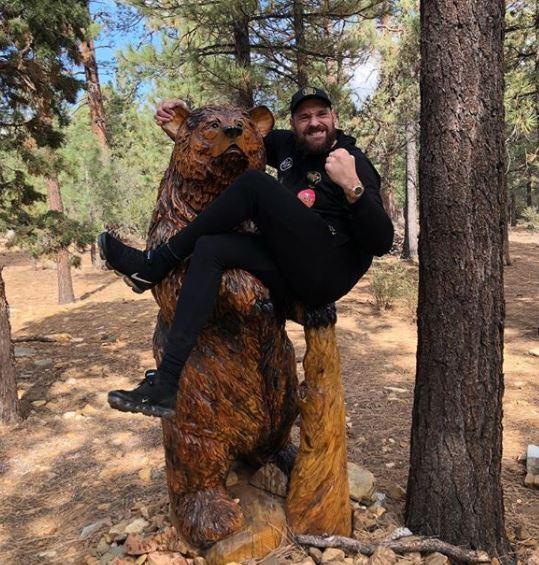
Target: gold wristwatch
358 190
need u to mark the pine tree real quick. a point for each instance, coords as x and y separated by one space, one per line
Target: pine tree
37 39
454 486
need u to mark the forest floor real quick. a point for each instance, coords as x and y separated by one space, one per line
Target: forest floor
72 461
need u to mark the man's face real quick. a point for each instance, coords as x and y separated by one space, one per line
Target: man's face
313 123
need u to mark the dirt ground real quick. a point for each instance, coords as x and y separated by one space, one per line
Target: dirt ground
73 461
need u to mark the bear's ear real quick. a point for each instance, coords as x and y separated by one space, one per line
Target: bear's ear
171 128
262 118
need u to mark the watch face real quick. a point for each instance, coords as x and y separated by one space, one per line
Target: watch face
358 191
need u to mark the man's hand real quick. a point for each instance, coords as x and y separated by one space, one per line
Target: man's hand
165 110
341 168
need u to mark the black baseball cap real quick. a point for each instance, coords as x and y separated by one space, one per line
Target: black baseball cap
304 94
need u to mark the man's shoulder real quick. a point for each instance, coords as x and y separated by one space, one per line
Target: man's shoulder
279 136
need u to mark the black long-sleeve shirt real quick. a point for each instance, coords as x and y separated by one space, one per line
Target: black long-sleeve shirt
365 221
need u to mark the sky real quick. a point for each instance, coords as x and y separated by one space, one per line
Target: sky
363 83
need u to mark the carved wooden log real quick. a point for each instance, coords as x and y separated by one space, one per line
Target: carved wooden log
318 496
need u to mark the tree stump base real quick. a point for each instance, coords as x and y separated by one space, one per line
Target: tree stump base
265 524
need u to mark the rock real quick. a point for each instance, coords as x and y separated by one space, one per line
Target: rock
316 554
91 529
522 533
383 556
436 559
271 479
24 352
532 459
364 520
118 530
533 559
413 558
361 482
396 389
306 561
70 415
361 560
39 403
50 554
332 554
378 498
43 362
396 492
110 556
377 511
199 561
265 527
348 561
102 546
531 480
136 526
534 351
89 410
59 337
145 474
165 558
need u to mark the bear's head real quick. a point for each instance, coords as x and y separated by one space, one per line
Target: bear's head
215 144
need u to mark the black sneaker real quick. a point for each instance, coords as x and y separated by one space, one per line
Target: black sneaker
152 397
141 270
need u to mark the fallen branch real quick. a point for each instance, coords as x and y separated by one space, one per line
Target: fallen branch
425 545
28 338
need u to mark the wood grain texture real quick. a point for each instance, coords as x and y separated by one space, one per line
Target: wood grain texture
318 496
238 391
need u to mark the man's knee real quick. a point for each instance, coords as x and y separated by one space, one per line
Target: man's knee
210 247
257 182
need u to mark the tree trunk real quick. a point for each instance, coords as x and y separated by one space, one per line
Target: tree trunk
299 34
411 227
242 49
95 98
63 266
388 198
454 484
8 382
513 209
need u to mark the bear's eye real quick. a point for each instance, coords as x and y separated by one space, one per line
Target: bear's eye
215 125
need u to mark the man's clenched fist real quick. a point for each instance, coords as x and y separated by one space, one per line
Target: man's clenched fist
341 168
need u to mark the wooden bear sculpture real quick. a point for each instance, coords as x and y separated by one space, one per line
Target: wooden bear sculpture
238 391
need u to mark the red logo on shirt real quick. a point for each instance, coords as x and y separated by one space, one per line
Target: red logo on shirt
307 196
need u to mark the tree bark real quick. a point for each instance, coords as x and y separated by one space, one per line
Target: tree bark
8 382
454 485
318 494
411 226
95 97
63 266
242 49
299 34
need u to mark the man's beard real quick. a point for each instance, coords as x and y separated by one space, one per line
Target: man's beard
313 147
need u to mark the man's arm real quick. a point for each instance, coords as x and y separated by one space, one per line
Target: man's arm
370 225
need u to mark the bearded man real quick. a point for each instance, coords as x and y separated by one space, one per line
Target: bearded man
319 226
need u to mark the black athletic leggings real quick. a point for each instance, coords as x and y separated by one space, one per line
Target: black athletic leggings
295 255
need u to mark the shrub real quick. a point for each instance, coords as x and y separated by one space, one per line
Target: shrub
392 281
531 218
